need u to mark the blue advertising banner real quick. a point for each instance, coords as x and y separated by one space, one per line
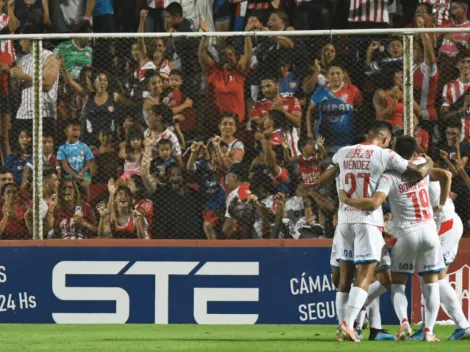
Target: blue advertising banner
169 285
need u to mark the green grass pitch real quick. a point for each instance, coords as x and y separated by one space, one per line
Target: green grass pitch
220 338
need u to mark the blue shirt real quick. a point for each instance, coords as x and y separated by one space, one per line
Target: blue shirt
103 7
336 123
209 186
289 86
16 163
76 155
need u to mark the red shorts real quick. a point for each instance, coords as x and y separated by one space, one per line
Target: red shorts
210 216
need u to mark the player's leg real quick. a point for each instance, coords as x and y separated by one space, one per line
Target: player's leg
429 263
449 244
403 259
368 244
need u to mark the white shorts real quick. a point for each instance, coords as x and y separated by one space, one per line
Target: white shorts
359 243
418 249
450 233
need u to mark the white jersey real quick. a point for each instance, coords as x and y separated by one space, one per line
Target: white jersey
408 199
448 209
361 166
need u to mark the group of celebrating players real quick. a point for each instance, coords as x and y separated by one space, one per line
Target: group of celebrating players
424 226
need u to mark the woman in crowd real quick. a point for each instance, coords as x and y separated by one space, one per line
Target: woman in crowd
318 71
68 217
15 216
235 150
155 57
122 218
152 96
335 103
388 100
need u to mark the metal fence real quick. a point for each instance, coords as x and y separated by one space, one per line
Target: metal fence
213 135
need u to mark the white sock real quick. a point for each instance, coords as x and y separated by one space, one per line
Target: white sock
423 300
375 290
431 306
357 298
361 317
341 301
400 303
373 311
452 305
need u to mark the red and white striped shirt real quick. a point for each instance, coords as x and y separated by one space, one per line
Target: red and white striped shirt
426 79
141 71
443 9
156 4
375 11
453 90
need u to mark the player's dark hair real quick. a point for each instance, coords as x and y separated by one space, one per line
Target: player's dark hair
174 9
454 123
378 127
405 146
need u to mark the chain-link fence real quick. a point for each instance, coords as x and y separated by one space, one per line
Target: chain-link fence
226 136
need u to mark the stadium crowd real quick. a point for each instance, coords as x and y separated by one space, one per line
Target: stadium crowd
187 137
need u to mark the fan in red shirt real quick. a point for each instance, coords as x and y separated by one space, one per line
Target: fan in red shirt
289 106
226 78
69 218
15 223
122 219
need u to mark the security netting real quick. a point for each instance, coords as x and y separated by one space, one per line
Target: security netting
217 137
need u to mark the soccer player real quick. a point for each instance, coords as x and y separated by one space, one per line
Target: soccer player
417 243
450 229
358 235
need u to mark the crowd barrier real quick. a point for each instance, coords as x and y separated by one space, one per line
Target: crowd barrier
169 282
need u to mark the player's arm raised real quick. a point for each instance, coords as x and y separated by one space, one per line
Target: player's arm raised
422 170
445 180
363 203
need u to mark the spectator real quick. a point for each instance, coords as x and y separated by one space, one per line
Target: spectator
289 83
222 15
68 217
49 160
103 16
17 161
314 14
426 77
6 176
24 72
106 157
22 13
199 163
264 8
50 186
162 160
75 52
288 106
388 100
65 14
155 20
157 53
184 114
76 157
160 119
237 181
393 58
153 95
453 155
456 97
442 10
131 151
421 136
15 223
336 103
453 42
178 208
7 57
235 148
125 219
226 78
